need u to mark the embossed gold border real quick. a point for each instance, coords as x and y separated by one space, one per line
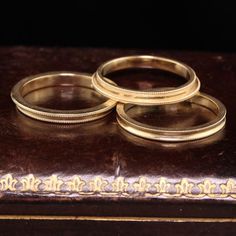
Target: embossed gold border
119 219
118 187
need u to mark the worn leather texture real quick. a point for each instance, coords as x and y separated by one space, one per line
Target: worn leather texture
97 169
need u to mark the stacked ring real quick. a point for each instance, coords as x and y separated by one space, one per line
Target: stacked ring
151 97
175 134
40 81
126 98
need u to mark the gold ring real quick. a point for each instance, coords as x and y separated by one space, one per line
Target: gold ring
176 134
52 79
149 97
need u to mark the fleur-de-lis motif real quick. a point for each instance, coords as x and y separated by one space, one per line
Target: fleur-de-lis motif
98 184
163 186
30 183
120 185
207 187
228 188
184 187
76 184
142 185
7 182
53 184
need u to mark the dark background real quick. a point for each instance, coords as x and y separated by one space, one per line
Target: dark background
181 25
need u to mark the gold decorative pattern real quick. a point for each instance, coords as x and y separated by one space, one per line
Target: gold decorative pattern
129 187
76 184
30 183
120 185
141 185
207 188
184 187
7 182
98 184
53 184
162 186
228 188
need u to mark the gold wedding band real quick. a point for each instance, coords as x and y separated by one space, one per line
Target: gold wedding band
176 134
155 96
52 79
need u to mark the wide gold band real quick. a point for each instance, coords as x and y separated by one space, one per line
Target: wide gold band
156 96
51 79
175 134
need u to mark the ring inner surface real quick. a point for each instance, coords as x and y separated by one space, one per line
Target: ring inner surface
145 79
171 66
181 115
62 92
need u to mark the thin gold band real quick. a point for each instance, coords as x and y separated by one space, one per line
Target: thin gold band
152 97
171 134
120 218
32 83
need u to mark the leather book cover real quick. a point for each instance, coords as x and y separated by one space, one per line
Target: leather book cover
96 168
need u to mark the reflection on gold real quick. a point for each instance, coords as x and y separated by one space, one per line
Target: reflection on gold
171 145
65 97
180 115
31 127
